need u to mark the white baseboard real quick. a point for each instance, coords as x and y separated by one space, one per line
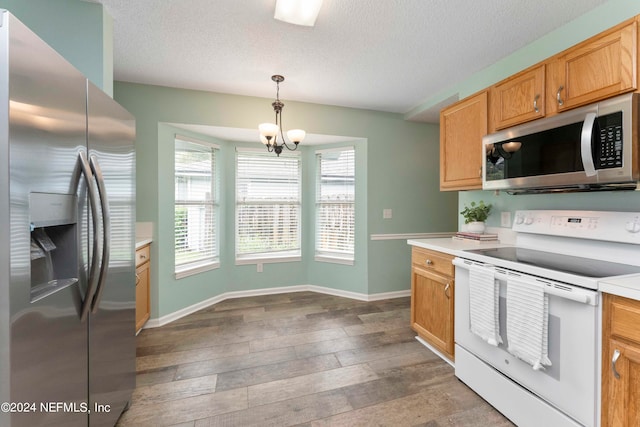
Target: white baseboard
436 351
161 321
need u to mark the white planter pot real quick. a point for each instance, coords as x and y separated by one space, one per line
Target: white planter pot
475 227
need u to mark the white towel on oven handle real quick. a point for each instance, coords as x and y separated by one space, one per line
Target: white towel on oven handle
528 321
484 293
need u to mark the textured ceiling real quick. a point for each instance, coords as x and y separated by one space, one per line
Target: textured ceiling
387 55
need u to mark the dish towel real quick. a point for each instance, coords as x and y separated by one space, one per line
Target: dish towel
528 322
483 304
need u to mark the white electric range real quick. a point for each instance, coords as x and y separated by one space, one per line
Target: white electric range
567 253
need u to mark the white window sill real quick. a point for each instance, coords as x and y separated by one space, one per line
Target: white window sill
190 270
267 259
334 259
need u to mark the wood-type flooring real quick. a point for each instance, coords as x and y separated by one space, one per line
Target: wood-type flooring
300 358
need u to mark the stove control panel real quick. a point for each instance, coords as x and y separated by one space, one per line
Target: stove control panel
633 226
597 225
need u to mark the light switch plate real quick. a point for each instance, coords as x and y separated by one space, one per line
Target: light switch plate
387 213
505 219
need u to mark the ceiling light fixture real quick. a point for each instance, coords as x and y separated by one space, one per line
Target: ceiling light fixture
269 131
298 12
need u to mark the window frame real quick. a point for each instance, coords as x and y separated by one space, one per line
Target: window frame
264 257
213 262
322 255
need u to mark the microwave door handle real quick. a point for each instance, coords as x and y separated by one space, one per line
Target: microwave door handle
585 144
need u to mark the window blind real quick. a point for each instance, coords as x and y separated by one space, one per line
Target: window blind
335 203
268 200
196 204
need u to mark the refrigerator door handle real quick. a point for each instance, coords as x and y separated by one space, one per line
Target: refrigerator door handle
106 230
85 170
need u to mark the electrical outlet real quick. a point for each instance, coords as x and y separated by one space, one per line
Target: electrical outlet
505 219
259 267
387 213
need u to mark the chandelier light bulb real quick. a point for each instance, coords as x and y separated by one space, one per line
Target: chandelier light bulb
296 135
268 130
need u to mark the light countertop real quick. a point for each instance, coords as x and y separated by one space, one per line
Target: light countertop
454 247
625 286
140 242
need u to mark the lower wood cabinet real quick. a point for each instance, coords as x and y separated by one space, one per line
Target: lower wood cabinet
432 304
620 362
143 306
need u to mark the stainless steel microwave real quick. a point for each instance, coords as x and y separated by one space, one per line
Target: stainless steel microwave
589 148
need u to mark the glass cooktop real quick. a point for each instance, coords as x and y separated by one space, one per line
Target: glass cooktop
585 267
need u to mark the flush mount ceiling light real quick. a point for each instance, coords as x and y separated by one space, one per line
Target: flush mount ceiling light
269 131
299 12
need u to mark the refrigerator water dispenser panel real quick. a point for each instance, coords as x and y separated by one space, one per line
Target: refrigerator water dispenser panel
54 243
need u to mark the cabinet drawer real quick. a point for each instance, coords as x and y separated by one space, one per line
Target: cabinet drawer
432 260
625 318
142 255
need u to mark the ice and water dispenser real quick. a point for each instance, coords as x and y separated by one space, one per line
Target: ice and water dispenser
54 243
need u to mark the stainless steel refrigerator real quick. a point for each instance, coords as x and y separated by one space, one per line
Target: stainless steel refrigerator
67 209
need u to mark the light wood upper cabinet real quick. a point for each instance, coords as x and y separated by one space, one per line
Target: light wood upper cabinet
462 126
518 99
432 303
620 362
598 68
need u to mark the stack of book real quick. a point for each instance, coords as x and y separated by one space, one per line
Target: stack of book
475 237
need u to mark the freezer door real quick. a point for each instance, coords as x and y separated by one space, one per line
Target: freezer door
112 321
45 347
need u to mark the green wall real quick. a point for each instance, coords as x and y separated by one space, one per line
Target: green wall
80 31
397 168
596 201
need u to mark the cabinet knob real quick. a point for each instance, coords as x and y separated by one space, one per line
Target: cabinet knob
428 262
558 97
535 103
137 279
446 290
616 355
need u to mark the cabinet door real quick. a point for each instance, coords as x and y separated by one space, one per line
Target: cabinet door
462 127
602 67
432 309
623 393
518 99
142 295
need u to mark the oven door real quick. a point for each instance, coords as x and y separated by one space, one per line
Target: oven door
570 383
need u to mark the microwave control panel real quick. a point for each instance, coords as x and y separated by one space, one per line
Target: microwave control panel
609 150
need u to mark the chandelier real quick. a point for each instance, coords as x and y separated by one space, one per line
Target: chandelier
269 131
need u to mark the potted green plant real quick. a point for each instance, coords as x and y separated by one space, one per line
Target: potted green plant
475 215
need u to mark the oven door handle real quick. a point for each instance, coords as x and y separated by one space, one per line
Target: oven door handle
581 298
577 295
